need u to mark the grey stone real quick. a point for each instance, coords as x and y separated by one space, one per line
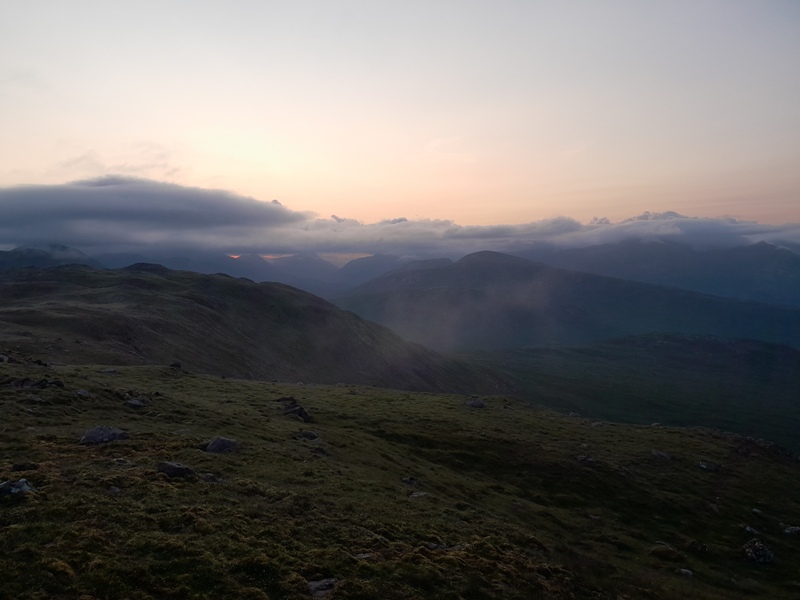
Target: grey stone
792 531
83 393
222 445
685 573
708 466
322 587
21 486
662 456
136 403
586 461
109 371
474 403
174 469
757 551
102 434
307 435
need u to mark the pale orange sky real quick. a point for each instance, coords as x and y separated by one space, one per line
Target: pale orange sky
477 112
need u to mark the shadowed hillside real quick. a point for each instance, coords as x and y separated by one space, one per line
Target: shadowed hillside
213 324
489 301
759 272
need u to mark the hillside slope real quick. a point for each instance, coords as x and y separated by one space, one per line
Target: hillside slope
213 324
389 495
489 301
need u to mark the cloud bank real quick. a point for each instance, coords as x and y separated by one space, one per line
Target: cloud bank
123 214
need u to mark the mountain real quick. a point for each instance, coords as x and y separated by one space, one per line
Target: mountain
305 266
214 324
759 272
361 270
489 300
46 256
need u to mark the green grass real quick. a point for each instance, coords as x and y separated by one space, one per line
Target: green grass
515 513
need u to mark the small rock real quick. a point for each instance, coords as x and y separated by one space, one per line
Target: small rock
102 434
757 511
320 451
708 466
173 469
3 358
21 486
594 517
656 425
474 403
412 481
297 411
209 477
662 456
597 424
306 435
418 494
757 551
136 403
175 365
574 415
82 393
685 573
792 530
322 587
587 461
749 529
109 371
363 556
222 445
113 491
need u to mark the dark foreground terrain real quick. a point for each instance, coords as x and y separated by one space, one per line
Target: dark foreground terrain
381 494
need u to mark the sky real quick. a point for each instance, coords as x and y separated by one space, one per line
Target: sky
422 115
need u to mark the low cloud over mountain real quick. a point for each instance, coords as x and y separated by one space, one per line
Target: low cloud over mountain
121 214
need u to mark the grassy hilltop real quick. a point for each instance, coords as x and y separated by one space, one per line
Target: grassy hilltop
505 501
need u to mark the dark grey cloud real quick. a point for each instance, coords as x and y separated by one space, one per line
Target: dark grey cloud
129 212
123 214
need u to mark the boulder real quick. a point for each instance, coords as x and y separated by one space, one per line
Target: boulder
102 434
321 588
174 469
757 551
21 486
474 402
222 445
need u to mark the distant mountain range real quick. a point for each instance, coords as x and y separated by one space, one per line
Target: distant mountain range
759 272
489 300
43 257
215 324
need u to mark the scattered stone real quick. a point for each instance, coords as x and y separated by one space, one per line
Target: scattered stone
418 494
25 466
102 434
21 486
714 508
209 478
792 530
173 469
662 456
306 435
412 481
757 511
574 415
685 573
320 451
655 425
222 445
474 403
109 372
322 587
698 547
296 410
586 461
83 393
3 358
363 556
113 491
597 424
175 365
585 445
749 529
757 551
594 517
136 403
708 466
